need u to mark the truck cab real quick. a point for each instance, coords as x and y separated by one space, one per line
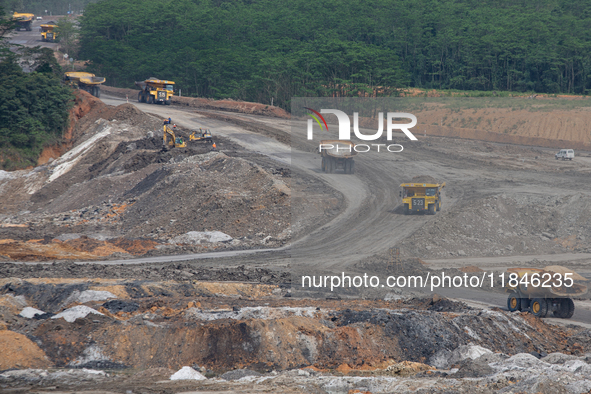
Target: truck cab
565 154
421 197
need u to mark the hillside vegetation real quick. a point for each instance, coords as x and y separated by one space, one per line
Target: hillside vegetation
33 106
38 7
261 49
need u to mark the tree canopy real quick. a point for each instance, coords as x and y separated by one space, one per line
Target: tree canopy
33 106
259 49
38 7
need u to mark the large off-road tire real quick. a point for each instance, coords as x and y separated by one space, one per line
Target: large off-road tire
438 206
98 92
351 166
431 209
539 307
405 209
168 102
329 165
514 302
323 165
567 308
150 99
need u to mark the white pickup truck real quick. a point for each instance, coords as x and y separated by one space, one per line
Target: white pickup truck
565 154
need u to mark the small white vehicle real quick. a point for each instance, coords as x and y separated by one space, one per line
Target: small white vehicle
565 154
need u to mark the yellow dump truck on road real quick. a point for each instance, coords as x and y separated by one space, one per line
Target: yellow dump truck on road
337 154
85 81
48 33
544 291
23 21
421 197
155 91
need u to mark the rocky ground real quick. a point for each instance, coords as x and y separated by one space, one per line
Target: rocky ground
502 224
115 335
235 324
117 193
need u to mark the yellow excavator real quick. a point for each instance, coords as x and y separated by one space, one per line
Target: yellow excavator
155 91
48 33
85 81
23 21
174 142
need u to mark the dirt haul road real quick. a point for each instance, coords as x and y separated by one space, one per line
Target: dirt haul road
33 38
344 241
371 223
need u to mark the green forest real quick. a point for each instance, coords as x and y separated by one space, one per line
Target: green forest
257 50
38 7
34 107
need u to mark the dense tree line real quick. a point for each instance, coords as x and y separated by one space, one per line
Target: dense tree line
34 107
38 7
263 49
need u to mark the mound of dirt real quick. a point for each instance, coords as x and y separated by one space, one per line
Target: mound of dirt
117 183
143 328
506 225
18 351
424 179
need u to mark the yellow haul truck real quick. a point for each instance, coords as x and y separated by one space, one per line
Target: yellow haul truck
544 291
421 197
155 91
23 21
48 32
337 154
85 81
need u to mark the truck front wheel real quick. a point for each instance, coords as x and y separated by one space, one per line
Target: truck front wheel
514 302
405 209
432 209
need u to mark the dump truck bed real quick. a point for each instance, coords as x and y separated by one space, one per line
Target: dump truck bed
437 185
577 289
23 17
341 148
85 78
153 81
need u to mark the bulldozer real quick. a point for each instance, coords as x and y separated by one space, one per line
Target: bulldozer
421 197
23 21
48 33
85 81
201 135
544 291
169 138
155 91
